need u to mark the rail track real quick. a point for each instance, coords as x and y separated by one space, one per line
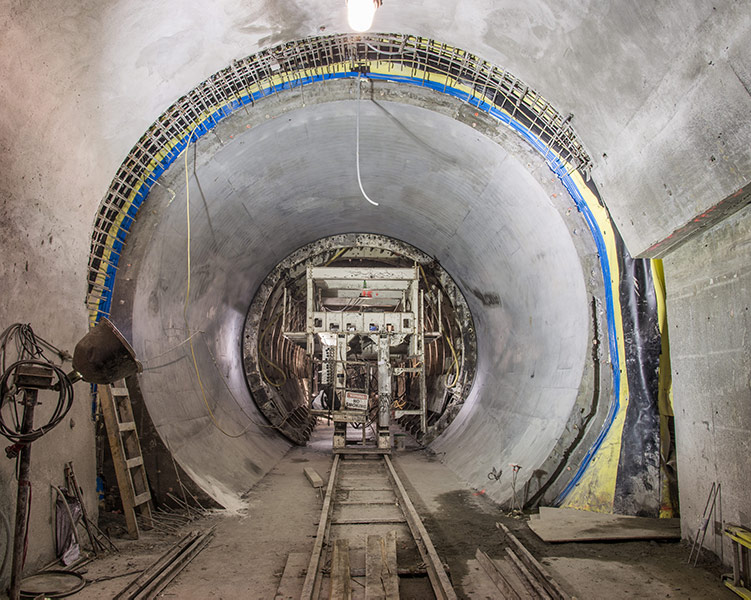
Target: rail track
370 541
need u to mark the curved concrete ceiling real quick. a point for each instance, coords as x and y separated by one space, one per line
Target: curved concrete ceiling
259 193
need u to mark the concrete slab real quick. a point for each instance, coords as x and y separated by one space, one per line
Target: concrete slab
570 525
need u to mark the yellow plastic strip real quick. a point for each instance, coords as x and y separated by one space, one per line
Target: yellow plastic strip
596 489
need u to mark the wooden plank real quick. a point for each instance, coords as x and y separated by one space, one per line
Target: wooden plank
535 567
503 585
313 477
437 574
315 558
516 579
737 534
134 462
570 525
141 499
537 588
381 572
118 459
129 426
369 521
291 582
413 572
364 451
341 588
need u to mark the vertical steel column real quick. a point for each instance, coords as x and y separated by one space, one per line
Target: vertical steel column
420 335
309 307
22 497
384 392
340 389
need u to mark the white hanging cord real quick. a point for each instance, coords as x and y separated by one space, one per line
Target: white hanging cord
357 152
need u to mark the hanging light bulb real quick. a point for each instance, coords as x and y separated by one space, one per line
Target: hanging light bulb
360 13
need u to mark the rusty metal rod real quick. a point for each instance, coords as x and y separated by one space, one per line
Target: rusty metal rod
23 497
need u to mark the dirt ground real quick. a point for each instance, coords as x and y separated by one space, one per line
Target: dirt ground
249 550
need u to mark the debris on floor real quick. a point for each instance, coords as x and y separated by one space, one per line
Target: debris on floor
154 579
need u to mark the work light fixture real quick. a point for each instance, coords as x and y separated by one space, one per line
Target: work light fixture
360 13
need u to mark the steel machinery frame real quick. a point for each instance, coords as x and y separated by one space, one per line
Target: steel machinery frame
378 308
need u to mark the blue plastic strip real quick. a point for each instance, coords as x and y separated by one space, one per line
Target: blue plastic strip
556 166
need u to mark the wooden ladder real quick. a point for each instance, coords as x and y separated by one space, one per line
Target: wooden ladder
126 454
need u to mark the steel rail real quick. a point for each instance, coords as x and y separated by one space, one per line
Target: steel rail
312 577
436 572
439 579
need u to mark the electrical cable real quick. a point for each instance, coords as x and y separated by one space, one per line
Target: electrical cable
27 344
29 352
337 255
455 365
268 360
350 303
175 347
9 393
187 300
240 406
189 340
357 151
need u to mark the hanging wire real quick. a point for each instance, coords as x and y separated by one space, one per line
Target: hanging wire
189 340
357 152
187 301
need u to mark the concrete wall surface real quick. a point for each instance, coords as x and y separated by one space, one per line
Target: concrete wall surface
50 185
259 193
709 315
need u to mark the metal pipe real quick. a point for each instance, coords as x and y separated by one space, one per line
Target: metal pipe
23 497
70 515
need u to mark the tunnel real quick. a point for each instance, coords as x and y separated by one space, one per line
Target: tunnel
569 184
352 161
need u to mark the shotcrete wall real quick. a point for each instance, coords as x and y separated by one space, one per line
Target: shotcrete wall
258 191
709 316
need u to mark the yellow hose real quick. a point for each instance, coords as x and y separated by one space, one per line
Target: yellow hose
185 307
267 359
337 255
455 365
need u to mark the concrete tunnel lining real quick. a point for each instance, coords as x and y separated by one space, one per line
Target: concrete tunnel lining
265 191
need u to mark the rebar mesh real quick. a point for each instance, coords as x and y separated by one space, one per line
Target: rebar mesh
412 59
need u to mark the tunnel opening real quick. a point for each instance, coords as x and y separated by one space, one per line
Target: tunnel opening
455 182
449 189
292 387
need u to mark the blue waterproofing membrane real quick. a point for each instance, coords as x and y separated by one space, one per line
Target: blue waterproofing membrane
553 162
